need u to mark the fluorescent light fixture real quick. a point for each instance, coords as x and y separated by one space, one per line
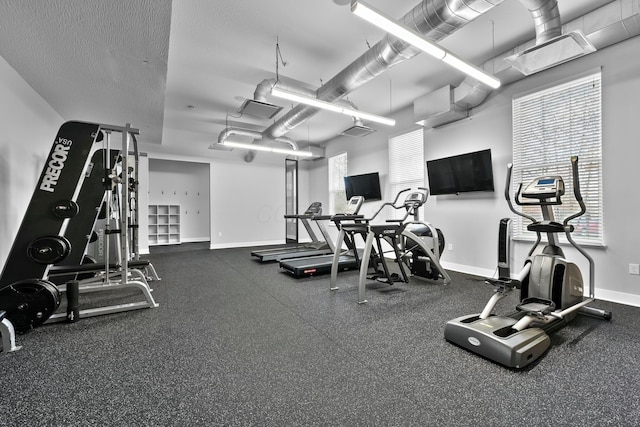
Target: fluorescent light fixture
314 102
259 147
386 23
380 20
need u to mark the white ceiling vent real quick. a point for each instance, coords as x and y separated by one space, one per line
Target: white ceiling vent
262 110
551 53
357 131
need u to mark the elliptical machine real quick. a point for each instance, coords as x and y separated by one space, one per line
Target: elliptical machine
551 288
422 244
415 244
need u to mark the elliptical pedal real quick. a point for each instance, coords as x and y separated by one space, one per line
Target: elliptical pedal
537 307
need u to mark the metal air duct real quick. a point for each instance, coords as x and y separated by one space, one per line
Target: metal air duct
259 105
610 24
435 19
318 152
256 135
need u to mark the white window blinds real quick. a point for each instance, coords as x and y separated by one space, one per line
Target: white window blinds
406 164
549 127
337 194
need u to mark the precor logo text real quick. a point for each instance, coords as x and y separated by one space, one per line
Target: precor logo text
55 165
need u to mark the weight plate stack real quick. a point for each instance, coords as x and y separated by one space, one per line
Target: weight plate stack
29 302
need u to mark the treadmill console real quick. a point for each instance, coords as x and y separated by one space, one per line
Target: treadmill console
544 188
314 208
353 205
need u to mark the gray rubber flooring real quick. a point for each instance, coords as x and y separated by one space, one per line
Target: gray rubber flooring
239 343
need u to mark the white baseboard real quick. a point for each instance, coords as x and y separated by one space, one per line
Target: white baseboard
245 244
618 297
476 271
194 239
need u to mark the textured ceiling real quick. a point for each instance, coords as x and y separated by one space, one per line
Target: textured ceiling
180 71
100 61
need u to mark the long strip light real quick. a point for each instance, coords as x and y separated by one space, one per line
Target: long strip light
315 102
259 147
379 19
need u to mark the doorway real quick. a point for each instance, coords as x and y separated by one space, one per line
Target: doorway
291 199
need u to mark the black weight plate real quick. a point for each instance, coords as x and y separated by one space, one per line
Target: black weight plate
29 302
48 249
65 209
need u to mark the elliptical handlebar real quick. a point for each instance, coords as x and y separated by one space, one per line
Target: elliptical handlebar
398 196
576 191
507 195
392 204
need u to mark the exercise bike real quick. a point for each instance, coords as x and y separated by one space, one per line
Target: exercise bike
551 288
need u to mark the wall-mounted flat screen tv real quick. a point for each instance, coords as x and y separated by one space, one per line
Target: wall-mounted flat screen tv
366 185
461 174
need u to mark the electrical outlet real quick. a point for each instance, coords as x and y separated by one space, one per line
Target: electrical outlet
219 233
450 246
634 269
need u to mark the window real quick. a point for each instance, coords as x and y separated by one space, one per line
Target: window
337 172
406 165
549 127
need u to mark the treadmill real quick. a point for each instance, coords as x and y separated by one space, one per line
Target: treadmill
321 264
315 247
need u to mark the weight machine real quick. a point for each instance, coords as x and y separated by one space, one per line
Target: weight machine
80 173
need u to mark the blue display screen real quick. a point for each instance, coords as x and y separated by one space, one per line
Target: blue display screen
546 181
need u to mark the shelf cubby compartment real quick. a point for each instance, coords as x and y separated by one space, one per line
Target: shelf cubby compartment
164 224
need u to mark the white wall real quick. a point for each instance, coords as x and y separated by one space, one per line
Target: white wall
29 126
470 221
248 203
246 200
185 184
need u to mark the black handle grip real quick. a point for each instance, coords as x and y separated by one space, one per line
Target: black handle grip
576 191
507 186
576 178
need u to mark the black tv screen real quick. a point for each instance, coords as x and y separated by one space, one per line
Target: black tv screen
460 174
366 185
